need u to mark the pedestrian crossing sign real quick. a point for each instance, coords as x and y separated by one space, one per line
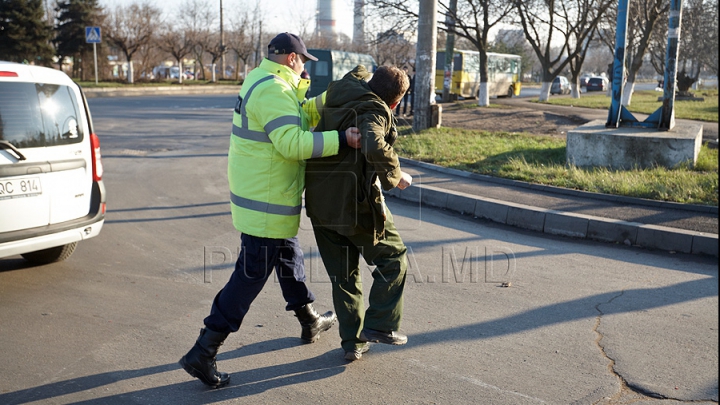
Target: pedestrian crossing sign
92 35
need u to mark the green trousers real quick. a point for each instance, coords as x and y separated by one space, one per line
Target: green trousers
341 256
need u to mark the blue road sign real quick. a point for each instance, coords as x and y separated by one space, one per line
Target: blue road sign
92 35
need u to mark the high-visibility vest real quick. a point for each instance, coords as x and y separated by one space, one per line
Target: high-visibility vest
268 147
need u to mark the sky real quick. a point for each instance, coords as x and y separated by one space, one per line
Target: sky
280 15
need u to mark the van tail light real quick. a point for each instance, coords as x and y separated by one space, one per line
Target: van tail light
4 73
96 162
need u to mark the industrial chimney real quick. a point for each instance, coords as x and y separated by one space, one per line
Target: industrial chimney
359 22
326 21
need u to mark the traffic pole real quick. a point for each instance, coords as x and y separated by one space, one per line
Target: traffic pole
95 54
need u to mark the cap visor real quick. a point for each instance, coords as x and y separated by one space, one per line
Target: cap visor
307 55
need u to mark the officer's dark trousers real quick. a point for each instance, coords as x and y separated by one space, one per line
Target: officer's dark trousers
256 261
341 256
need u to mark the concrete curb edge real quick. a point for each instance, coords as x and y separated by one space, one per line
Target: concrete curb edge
563 223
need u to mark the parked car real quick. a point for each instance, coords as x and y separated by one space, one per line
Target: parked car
584 80
560 85
598 84
51 190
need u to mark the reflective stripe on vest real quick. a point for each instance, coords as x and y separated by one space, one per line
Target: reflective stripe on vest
280 121
264 206
319 103
318 144
243 132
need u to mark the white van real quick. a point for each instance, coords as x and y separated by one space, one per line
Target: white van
51 189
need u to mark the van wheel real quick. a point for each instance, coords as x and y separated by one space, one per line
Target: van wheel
51 255
511 92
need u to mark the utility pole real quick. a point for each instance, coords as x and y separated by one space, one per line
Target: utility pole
222 44
425 108
449 51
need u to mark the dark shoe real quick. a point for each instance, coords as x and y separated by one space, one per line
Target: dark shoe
352 355
313 323
199 362
389 338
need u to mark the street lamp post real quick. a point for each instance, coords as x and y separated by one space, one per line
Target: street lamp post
222 44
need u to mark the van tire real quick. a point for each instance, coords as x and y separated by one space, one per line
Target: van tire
51 255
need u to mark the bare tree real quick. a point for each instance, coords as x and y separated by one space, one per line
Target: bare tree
302 17
150 56
131 28
699 38
216 49
392 48
571 22
197 18
245 26
472 20
643 19
576 63
657 47
178 43
239 41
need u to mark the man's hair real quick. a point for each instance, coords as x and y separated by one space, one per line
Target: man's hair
389 83
277 58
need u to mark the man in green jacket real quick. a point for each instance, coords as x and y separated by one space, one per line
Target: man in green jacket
266 171
344 201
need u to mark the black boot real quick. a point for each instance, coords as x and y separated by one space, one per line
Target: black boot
313 323
199 362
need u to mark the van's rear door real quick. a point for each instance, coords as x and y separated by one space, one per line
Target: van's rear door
45 167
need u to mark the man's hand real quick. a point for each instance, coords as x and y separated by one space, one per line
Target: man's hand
352 134
405 181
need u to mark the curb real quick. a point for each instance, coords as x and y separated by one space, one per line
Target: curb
159 91
561 223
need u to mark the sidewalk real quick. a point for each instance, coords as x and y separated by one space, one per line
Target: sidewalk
553 210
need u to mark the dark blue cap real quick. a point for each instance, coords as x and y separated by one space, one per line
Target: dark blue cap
286 43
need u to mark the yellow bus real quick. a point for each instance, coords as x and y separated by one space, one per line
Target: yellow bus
503 74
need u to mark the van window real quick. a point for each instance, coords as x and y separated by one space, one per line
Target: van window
321 68
38 115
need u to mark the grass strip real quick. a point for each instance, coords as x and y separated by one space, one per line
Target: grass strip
541 160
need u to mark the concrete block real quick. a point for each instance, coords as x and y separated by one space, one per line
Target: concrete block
433 197
626 147
567 225
612 230
489 209
464 204
659 237
527 218
413 194
705 243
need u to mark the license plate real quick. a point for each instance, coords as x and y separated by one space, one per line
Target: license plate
17 188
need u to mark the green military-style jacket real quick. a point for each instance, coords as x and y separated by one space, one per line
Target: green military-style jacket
342 191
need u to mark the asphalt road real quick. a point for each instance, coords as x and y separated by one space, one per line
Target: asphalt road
581 322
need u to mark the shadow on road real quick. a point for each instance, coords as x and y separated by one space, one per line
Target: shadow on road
192 391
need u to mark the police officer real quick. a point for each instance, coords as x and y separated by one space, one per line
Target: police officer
266 170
